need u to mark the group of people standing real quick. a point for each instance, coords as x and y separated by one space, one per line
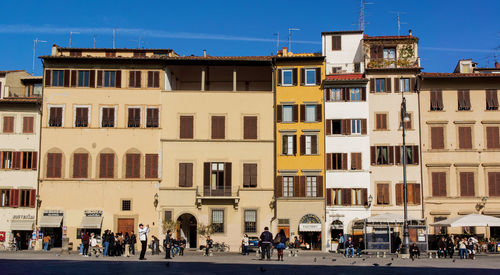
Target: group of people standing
467 247
113 244
173 246
267 241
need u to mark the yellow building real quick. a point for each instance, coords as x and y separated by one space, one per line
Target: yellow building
100 148
300 161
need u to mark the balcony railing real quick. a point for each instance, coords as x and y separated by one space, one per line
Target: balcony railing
381 63
218 192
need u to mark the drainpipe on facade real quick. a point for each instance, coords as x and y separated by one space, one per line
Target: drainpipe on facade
40 111
418 80
273 79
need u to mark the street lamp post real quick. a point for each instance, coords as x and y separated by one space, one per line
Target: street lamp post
404 118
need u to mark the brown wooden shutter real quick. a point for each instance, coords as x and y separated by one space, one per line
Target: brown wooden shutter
296 186
328 126
294 145
186 127
156 82
228 177
435 184
346 196
493 137
279 77
48 79
302 77
17 157
131 79
66 78
416 194
253 175
380 193
33 198
57 165
465 137
250 127
387 199
302 112
329 196
294 71
151 166
73 78
92 79
50 165
99 78
372 85
329 164
388 85
34 161
302 145
364 196
413 88
373 155
206 175
437 138
318 76
319 186
384 121
284 144
302 189
327 95
182 174
347 126
118 79
279 113
319 112
391 154
398 156
463 184
295 113
399 194
314 144
396 85
14 198
246 175
279 186
344 161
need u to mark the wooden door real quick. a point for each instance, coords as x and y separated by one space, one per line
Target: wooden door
125 225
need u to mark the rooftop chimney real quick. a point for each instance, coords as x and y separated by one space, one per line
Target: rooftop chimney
497 65
204 53
409 32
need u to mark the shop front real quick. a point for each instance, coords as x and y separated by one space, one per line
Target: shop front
91 223
51 224
310 232
22 229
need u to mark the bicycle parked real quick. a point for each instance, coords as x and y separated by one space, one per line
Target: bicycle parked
221 247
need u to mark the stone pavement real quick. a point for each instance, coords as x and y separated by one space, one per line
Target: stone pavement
195 263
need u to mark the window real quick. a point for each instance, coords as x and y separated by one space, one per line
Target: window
337 196
492 138
218 221
134 117
134 79
54 165
126 205
167 216
107 166
404 84
308 144
6 160
186 127
80 165
57 78
390 55
310 76
250 127
465 68
411 154
311 187
8 124
336 70
218 127
357 197
249 175
310 112
289 145
151 166
153 79
355 94
109 79
336 126
287 77
55 117
437 137
336 43
356 161
439 184
108 117
440 230
185 174
83 78
82 117
250 221
28 124
217 179
28 160
288 113
152 119
335 94
355 126
465 137
494 184
491 100
75 53
336 161
4 197
133 166
25 198
436 100
382 155
467 184
380 85
288 186
110 54
412 192
383 196
381 122
463 97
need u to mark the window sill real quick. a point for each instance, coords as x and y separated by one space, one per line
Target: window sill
463 111
466 150
310 121
437 111
381 130
350 135
491 110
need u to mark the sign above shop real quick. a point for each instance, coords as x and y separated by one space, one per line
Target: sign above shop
53 213
23 217
93 213
310 227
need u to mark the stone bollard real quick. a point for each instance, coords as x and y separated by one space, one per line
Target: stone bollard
65 246
377 255
430 255
384 254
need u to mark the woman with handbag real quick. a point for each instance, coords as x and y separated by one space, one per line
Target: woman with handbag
279 242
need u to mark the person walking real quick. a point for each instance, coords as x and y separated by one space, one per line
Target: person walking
341 242
266 239
281 239
126 242
143 237
349 247
167 244
133 241
17 239
46 241
209 245
244 245
105 242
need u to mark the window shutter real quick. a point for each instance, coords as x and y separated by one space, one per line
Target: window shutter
296 186
186 127
318 76
391 154
347 126
99 78
372 85
388 85
346 95
384 121
302 77
102 166
182 174
415 154
151 166
363 94
34 161
73 78
50 165
17 157
364 196
319 186
279 113
118 79
279 186
328 126
380 193
327 95
413 88
295 115
302 145
284 144
314 144
14 198
279 77
363 126
493 137
206 175
250 127
435 184
138 79
228 176
442 184
437 139
294 70
344 161
386 194
131 79
439 99
92 79
329 162
329 196
188 174
346 196
491 184
156 81
396 85
253 175
399 194
319 113
76 165
48 74
66 78
373 155
302 185
302 112
463 184
399 155
32 198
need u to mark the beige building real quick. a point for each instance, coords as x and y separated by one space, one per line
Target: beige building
392 64
100 148
19 142
217 145
460 144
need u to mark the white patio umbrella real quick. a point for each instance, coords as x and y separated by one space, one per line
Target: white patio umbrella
469 220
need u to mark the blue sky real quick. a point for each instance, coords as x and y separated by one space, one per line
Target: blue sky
448 30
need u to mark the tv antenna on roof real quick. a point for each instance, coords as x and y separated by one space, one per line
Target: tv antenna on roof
70 34
93 40
139 41
35 43
398 20
362 14
277 41
290 37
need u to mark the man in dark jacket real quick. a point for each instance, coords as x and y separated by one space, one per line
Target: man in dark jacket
85 241
133 241
266 239
167 244
442 248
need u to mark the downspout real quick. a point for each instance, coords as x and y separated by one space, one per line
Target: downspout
40 111
418 79
274 201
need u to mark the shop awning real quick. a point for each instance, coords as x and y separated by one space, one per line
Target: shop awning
91 222
51 221
310 227
22 225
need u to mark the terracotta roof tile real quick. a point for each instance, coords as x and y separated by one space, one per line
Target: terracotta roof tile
21 100
345 76
159 57
458 75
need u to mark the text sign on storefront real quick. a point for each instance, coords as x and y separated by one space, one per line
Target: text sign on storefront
93 213
310 227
